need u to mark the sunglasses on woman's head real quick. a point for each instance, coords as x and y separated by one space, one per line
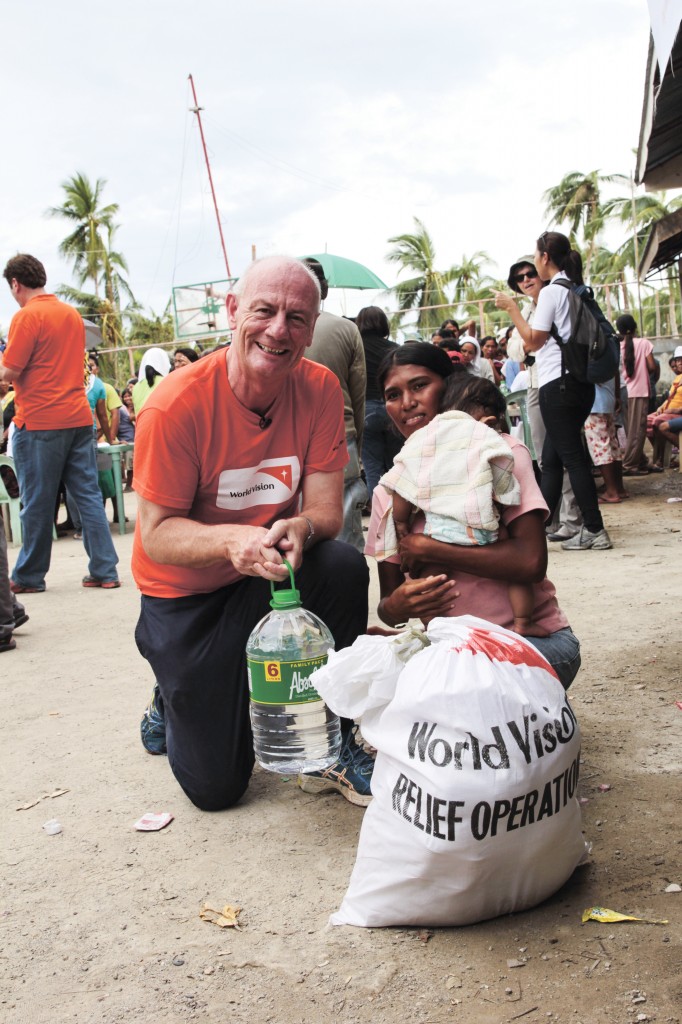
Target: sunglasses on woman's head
530 274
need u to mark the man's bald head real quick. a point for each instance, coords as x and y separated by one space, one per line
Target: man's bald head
276 266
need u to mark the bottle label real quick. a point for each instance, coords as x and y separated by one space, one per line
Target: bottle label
283 682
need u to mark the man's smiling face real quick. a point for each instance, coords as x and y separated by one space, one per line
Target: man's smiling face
273 319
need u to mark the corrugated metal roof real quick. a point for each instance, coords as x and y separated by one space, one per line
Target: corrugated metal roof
659 159
663 245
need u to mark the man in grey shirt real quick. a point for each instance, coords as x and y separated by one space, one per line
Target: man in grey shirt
337 344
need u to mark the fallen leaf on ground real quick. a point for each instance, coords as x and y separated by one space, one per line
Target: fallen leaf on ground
604 916
45 796
225 918
516 963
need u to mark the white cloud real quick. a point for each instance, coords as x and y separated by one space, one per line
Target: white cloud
326 127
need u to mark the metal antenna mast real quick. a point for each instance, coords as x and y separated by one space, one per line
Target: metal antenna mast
196 109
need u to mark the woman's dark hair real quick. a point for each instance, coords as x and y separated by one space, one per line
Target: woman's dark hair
626 326
188 353
415 353
559 250
372 320
449 325
95 358
150 373
464 392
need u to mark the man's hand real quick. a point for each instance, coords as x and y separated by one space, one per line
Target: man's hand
289 536
252 551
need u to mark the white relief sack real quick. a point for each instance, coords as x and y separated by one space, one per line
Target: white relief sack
475 810
364 676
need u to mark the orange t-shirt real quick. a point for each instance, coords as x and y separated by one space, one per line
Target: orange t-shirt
45 352
199 450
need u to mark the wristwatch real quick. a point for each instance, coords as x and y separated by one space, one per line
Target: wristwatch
311 531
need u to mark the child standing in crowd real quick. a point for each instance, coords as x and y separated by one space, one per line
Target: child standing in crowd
638 362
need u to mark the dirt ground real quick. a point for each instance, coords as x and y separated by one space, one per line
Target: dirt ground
100 923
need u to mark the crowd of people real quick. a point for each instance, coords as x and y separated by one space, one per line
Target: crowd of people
274 446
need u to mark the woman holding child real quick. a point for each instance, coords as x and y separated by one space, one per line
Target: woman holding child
476 579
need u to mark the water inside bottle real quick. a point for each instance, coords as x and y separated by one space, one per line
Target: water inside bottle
290 736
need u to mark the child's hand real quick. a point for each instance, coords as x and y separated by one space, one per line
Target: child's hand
401 529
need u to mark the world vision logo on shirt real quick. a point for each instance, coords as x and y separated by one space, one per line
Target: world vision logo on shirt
272 482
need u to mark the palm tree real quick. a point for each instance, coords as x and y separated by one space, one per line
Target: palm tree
85 246
468 277
416 253
153 329
576 201
113 282
645 211
90 248
607 276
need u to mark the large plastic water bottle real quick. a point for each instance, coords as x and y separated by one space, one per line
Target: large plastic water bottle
293 729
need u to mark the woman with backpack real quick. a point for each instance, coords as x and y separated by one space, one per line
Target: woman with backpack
565 401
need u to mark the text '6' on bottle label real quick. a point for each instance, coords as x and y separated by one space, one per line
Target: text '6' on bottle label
283 682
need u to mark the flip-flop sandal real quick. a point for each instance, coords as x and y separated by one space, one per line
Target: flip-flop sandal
603 500
7 645
655 469
92 581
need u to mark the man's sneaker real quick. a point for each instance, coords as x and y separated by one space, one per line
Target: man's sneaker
584 539
350 775
563 533
153 725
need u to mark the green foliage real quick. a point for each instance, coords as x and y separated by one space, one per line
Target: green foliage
90 250
151 330
415 253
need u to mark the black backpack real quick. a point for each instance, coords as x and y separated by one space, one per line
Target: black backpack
592 352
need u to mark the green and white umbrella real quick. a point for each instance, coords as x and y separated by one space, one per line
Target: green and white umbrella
344 273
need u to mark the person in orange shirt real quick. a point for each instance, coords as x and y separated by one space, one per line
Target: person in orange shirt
54 437
239 463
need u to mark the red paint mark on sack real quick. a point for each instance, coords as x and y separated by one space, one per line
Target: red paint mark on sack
514 651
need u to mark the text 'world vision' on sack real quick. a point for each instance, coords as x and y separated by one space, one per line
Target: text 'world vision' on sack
534 741
533 738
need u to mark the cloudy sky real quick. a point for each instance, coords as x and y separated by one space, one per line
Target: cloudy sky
329 126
